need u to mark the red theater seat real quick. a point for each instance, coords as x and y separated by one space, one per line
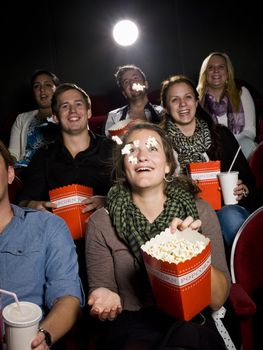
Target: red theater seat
247 275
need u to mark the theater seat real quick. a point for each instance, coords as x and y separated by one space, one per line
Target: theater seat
256 165
246 265
96 124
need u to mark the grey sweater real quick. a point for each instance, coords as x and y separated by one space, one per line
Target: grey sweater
111 265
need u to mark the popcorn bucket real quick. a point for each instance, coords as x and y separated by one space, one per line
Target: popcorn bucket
68 200
180 289
120 128
205 174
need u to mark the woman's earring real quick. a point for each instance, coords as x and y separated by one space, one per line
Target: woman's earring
168 178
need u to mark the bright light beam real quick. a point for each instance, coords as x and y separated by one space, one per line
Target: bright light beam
125 32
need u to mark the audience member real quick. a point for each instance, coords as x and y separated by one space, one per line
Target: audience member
145 200
77 157
134 86
196 138
225 102
33 129
38 262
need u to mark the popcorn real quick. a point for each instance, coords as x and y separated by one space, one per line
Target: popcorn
175 247
117 140
151 142
126 149
136 143
133 160
138 87
175 251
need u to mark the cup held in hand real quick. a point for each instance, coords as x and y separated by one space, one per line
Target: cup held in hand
228 181
21 324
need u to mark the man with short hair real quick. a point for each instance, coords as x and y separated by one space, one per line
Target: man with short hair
77 157
38 262
134 85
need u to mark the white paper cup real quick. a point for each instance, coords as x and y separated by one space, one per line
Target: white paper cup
228 181
21 326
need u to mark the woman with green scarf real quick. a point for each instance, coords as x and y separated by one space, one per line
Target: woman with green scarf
146 199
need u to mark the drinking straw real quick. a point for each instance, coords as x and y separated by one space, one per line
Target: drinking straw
239 148
13 295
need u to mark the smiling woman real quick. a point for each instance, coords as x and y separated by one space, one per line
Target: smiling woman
36 128
125 32
139 206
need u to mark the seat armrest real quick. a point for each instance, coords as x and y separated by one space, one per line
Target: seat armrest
240 301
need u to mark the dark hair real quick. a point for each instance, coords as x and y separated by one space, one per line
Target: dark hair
122 69
65 87
118 158
215 151
38 72
8 158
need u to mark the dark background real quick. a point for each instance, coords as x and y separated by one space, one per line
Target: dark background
73 38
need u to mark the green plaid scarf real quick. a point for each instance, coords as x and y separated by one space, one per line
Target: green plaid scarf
132 226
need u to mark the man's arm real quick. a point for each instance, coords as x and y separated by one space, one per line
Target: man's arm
39 205
63 291
35 182
59 320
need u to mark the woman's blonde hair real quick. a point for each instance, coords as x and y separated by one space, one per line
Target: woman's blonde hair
231 90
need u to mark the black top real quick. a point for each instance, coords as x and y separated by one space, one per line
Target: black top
230 147
53 166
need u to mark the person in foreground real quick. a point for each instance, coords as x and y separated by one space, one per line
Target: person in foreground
146 199
227 104
38 262
134 85
196 138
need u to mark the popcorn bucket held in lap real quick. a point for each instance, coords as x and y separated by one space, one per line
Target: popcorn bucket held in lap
69 207
182 289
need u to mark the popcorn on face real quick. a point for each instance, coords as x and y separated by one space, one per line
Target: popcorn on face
151 142
133 160
127 148
138 87
117 140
